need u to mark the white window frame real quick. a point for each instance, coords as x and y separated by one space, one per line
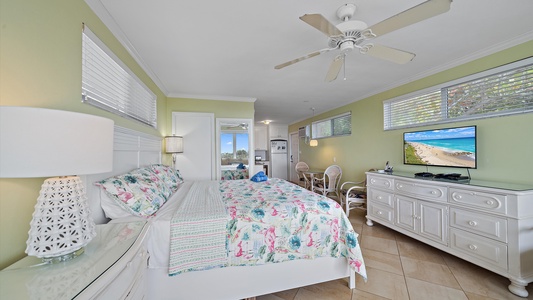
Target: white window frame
109 84
331 119
442 116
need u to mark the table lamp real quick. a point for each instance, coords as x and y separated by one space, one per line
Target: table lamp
174 144
38 142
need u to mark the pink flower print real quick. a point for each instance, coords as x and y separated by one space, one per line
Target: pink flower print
274 212
239 251
125 196
270 238
300 204
357 264
233 212
335 229
311 242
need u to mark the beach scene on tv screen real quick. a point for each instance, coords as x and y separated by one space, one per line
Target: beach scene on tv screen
453 147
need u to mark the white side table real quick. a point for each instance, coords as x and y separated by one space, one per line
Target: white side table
112 267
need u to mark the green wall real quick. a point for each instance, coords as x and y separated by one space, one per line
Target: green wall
505 144
40 66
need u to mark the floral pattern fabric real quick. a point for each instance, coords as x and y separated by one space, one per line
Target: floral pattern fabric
234 174
141 192
168 175
275 221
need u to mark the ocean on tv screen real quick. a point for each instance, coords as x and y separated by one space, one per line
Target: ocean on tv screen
455 147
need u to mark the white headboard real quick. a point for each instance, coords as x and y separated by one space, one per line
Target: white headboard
132 149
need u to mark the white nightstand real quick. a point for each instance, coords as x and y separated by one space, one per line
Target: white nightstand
112 267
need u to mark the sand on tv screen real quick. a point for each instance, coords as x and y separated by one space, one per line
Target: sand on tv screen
448 147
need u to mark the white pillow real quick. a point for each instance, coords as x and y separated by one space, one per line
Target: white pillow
111 208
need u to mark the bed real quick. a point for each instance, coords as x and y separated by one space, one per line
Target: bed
275 262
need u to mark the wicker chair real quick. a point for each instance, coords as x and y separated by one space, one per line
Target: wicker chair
353 195
303 181
329 183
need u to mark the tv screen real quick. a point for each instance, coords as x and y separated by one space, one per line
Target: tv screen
448 147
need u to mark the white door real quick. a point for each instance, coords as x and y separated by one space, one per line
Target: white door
294 156
197 162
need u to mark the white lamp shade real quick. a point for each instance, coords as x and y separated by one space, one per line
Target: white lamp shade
174 144
313 143
38 142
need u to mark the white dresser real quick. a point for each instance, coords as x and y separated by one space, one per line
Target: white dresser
487 223
112 267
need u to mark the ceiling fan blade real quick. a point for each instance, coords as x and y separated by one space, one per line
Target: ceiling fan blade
413 15
390 54
283 65
319 22
335 68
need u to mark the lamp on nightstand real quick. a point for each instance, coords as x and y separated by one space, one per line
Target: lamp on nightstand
174 144
38 142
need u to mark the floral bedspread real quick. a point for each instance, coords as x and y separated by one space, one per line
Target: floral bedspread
234 174
276 221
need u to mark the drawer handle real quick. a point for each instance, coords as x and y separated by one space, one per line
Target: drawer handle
472 247
433 193
379 197
380 212
458 197
489 202
472 223
387 183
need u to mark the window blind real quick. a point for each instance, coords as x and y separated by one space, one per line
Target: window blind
500 91
108 84
334 126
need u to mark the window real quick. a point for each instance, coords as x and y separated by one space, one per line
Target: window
335 126
501 91
234 148
108 84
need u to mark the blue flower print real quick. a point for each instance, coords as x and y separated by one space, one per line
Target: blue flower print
295 243
351 240
258 213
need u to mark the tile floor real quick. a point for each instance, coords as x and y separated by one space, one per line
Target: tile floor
400 267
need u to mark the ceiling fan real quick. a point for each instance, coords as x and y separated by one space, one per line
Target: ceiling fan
243 126
351 34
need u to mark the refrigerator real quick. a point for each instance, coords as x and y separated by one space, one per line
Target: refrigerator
279 162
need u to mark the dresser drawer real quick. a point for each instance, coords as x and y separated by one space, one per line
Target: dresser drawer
480 248
420 190
380 182
129 284
490 202
381 213
488 226
380 197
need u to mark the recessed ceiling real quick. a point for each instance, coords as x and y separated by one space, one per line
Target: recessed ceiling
228 49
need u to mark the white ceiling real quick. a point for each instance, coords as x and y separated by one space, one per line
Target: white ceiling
227 50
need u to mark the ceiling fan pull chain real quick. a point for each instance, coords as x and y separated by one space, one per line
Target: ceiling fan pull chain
344 65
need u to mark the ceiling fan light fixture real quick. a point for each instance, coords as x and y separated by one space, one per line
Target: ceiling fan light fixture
347 46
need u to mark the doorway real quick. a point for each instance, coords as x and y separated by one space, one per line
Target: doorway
294 155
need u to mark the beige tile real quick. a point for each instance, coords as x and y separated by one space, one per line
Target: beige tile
384 284
430 272
472 296
284 295
379 244
422 290
379 231
421 251
382 261
334 290
479 281
360 295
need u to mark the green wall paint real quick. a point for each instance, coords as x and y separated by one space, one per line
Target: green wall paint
40 66
505 144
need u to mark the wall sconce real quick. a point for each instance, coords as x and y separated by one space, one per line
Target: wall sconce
174 144
38 142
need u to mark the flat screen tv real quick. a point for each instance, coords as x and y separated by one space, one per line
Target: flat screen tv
447 147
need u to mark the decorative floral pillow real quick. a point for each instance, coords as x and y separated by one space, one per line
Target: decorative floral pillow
168 175
140 191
